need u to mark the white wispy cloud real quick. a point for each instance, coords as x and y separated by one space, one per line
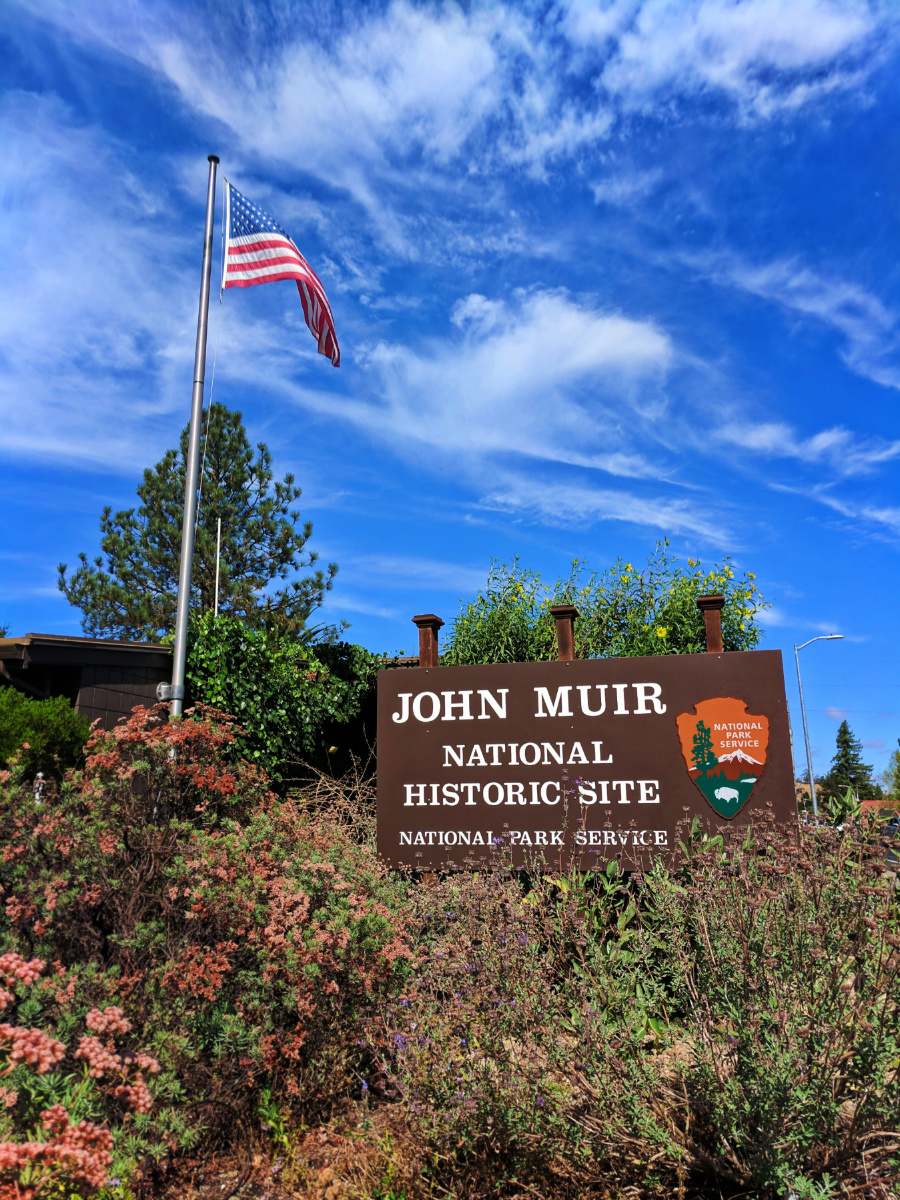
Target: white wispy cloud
353 98
863 516
623 188
776 618
98 306
99 331
765 55
870 329
542 375
841 451
581 505
399 570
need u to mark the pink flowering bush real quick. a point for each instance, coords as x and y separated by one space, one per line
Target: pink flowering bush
241 932
47 1150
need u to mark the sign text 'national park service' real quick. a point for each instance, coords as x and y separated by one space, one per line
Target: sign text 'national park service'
578 761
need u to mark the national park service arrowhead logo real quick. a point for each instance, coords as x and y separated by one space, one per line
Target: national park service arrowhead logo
724 748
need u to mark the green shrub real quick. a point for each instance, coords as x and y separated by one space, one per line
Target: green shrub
621 612
289 698
239 934
731 1027
55 734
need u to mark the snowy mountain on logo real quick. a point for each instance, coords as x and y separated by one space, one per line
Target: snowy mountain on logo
731 766
739 756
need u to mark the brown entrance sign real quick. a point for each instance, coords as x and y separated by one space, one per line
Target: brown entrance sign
577 761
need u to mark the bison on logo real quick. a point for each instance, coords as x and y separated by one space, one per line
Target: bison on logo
724 748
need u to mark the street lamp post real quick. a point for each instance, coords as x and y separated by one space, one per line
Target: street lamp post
825 637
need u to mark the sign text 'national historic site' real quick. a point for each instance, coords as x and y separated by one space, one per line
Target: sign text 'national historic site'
577 761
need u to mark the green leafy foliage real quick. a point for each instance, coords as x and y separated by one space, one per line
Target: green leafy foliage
622 612
291 700
131 589
52 733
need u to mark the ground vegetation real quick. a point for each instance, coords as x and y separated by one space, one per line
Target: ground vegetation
175 939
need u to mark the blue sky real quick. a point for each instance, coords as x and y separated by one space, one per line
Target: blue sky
602 272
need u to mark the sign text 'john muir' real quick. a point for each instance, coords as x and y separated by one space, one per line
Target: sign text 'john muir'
577 761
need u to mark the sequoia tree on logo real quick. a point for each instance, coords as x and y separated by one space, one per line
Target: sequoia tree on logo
724 749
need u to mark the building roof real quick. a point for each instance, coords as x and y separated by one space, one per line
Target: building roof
60 639
64 650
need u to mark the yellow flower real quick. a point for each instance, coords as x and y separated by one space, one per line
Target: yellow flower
661 631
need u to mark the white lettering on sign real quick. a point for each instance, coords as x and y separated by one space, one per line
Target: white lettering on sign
422 702
446 837
622 784
491 790
535 837
647 787
427 706
621 837
450 704
648 694
499 706
584 688
645 692
435 707
548 784
559 706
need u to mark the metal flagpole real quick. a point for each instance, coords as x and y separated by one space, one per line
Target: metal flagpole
175 693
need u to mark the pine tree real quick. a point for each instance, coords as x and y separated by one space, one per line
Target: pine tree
131 590
848 769
702 755
892 776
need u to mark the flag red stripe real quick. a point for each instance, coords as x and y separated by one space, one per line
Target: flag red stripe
260 257
253 247
260 264
261 279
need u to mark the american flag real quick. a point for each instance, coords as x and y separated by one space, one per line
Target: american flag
257 250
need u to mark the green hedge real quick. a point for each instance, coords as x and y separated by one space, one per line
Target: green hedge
295 702
52 731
